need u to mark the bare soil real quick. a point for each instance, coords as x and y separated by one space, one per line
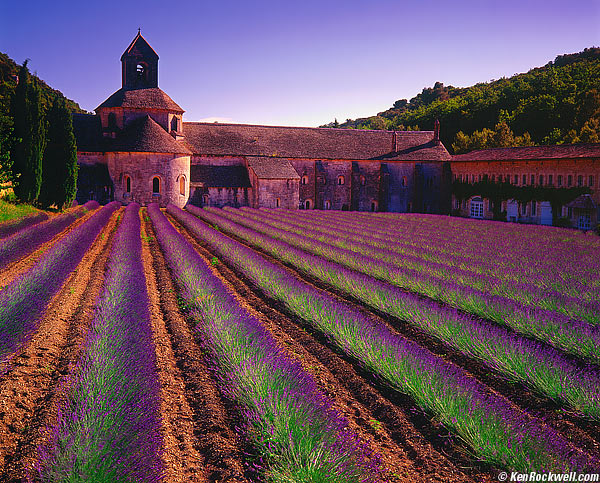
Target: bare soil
30 392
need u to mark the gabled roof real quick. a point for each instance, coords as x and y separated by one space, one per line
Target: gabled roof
145 135
148 98
305 142
583 202
220 176
532 152
139 46
272 168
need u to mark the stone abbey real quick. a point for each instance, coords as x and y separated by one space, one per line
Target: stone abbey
138 148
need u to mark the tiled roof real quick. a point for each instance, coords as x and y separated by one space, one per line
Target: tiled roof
145 135
149 98
272 168
139 46
220 176
583 202
532 152
303 142
88 132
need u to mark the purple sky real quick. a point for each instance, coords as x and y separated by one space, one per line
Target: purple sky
292 63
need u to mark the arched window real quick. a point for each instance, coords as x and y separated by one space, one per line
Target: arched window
112 121
341 180
327 205
307 205
127 184
305 179
156 185
373 205
363 180
182 185
141 71
174 123
404 181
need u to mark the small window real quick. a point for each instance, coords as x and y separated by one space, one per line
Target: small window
327 205
363 180
307 205
480 177
550 180
205 200
570 180
580 180
127 184
541 180
373 206
591 181
304 179
516 179
472 178
340 180
112 121
182 185
559 180
404 181
174 124
532 179
278 202
524 179
533 208
156 185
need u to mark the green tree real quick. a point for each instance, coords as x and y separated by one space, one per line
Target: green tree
29 129
59 180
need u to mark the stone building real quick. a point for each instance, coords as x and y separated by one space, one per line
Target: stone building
137 147
563 166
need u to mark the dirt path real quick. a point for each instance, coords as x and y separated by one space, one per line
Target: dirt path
582 432
18 267
392 426
30 392
199 423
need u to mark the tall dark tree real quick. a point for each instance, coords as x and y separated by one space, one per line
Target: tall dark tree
29 130
59 179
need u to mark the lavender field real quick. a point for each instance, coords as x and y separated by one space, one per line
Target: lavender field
204 345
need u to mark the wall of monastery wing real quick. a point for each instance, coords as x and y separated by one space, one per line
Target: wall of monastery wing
89 159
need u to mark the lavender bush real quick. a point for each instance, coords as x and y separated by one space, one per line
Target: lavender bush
11 227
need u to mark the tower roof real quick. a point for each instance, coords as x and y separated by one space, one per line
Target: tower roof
139 47
149 98
145 135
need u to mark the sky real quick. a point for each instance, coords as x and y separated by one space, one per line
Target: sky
300 63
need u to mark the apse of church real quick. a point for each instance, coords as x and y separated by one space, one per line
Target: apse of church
137 148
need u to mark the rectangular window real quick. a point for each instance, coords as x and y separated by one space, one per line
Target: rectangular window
532 179
591 181
570 180
559 180
580 180
516 179
524 179
541 180
550 180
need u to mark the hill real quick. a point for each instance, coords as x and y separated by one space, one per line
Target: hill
554 104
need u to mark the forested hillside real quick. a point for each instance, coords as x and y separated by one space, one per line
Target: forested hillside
554 104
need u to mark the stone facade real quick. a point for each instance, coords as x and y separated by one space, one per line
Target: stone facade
148 154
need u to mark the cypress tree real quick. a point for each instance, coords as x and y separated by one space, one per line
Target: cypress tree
29 130
59 183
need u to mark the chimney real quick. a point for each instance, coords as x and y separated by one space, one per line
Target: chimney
436 132
394 142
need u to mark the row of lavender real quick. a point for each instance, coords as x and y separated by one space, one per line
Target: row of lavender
496 430
24 300
11 227
536 364
568 259
291 423
485 295
108 426
26 240
578 337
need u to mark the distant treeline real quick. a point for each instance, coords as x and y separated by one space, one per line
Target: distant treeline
555 104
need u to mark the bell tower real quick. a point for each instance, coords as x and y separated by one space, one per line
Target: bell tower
139 65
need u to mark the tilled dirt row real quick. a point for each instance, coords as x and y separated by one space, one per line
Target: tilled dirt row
581 431
411 446
201 444
30 392
18 267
